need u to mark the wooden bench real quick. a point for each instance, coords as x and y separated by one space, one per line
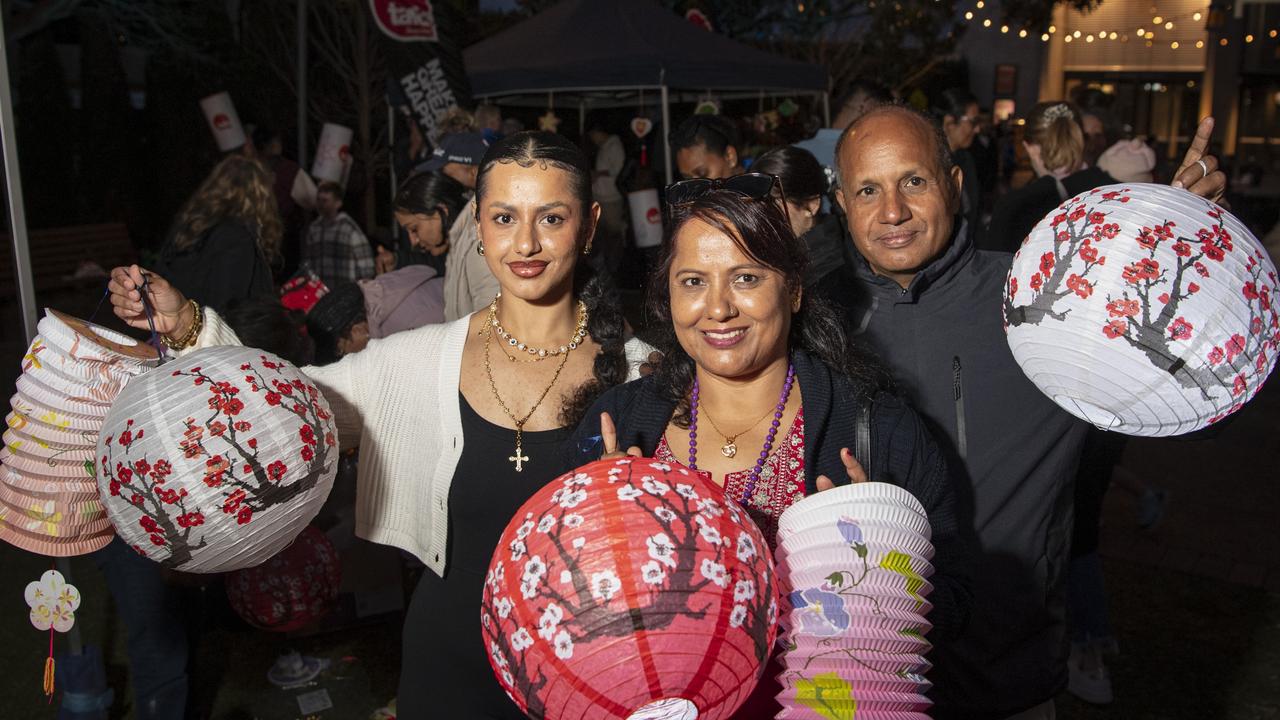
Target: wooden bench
56 253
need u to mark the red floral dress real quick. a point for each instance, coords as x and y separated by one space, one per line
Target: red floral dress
781 479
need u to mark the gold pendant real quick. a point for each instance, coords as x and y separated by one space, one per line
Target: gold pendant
729 449
519 459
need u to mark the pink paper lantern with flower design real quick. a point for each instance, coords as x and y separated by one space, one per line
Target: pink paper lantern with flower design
71 373
1143 309
630 589
216 461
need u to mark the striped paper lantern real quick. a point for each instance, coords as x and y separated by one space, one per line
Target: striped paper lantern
629 589
1143 309
71 373
216 461
853 563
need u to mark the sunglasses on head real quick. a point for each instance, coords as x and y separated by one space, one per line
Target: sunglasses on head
756 186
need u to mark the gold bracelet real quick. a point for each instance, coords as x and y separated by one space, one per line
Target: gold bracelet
189 339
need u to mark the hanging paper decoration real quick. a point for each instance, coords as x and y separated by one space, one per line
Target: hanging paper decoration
53 605
549 122
217 461
71 373
854 567
1143 309
629 588
292 590
707 106
641 126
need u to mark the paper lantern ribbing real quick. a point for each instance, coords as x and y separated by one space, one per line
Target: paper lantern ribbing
854 564
1143 309
292 590
216 461
629 589
72 371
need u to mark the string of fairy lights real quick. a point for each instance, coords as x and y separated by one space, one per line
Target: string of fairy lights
982 16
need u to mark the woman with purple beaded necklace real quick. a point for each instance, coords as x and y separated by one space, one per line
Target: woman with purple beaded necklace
761 388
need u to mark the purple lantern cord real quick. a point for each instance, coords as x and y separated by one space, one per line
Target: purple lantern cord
754 477
146 307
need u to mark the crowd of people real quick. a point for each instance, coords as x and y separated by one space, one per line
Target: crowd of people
847 288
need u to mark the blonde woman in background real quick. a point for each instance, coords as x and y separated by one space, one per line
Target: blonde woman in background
226 236
1054 140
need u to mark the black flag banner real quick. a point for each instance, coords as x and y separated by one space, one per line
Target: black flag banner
424 62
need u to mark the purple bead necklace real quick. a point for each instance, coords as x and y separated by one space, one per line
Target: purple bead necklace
754 477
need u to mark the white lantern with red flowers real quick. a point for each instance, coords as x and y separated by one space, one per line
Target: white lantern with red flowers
1143 309
216 461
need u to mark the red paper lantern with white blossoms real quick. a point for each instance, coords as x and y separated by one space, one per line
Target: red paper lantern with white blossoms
216 461
1143 309
630 589
290 591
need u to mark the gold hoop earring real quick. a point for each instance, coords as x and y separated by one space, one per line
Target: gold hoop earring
480 249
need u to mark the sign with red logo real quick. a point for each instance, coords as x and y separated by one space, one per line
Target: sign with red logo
221 121
406 20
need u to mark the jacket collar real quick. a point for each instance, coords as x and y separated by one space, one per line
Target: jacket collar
937 273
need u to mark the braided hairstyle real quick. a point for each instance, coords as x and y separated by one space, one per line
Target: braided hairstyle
604 308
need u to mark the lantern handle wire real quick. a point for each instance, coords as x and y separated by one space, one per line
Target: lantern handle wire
151 323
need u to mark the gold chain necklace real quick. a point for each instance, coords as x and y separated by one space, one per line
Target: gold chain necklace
730 448
519 458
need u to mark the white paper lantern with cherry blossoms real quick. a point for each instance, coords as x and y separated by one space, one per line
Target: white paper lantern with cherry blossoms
216 461
1143 309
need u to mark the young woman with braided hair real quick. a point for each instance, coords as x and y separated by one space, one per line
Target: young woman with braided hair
462 422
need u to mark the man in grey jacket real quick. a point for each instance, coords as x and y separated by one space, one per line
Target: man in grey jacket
931 307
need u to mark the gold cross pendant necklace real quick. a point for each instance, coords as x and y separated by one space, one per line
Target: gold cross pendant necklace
520 458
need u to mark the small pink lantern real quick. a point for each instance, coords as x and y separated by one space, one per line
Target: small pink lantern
1143 309
216 461
292 590
71 373
854 562
630 589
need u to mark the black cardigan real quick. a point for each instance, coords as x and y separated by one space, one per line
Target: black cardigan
902 453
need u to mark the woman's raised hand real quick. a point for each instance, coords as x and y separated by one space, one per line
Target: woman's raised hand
170 310
851 467
609 438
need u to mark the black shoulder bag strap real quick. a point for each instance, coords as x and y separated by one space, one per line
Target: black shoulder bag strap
862 437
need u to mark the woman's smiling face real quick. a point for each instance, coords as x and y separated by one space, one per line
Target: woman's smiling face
731 313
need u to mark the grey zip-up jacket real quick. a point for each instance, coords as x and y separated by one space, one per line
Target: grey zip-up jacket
1015 453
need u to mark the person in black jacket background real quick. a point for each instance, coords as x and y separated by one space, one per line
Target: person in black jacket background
225 237
743 343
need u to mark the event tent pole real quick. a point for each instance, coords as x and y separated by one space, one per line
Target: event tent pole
22 252
302 84
17 211
826 109
666 127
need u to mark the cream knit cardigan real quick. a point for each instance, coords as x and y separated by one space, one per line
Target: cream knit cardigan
398 400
